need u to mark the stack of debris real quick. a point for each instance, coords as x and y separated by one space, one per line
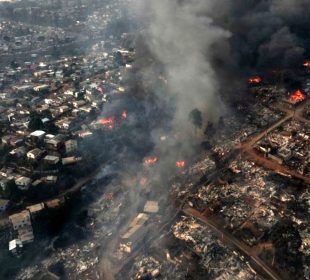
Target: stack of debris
146 268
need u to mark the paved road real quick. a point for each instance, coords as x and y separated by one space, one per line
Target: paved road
247 146
234 242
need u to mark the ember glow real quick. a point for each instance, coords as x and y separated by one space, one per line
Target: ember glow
107 122
255 80
150 160
297 97
180 164
307 64
124 114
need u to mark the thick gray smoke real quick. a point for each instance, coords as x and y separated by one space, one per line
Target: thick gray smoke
182 40
211 46
265 33
207 47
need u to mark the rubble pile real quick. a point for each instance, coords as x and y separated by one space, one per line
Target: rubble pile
289 145
76 261
149 267
188 230
81 262
218 260
221 264
202 167
146 267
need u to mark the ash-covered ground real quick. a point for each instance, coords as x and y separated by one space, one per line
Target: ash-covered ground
194 171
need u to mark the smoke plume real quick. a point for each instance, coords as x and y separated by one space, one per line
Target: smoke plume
269 33
182 40
210 47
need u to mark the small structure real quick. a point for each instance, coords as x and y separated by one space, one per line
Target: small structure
23 183
54 143
35 209
52 160
151 207
35 154
18 152
54 203
71 146
36 183
50 179
78 103
41 88
21 223
4 183
70 160
4 204
20 220
25 235
15 246
37 135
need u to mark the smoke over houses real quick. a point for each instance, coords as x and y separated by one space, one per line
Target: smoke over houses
154 139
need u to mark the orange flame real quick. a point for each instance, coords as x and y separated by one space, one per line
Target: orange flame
297 96
150 160
107 122
124 114
306 63
180 164
255 80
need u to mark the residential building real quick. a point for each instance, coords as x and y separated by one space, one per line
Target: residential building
20 220
15 246
37 135
23 183
35 209
70 160
35 154
71 146
4 204
151 207
52 160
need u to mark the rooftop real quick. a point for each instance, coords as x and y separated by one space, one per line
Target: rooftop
38 133
151 207
19 217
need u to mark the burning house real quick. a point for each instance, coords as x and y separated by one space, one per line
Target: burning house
151 160
255 80
180 164
307 64
296 97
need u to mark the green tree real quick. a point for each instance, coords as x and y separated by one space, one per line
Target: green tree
35 122
195 117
